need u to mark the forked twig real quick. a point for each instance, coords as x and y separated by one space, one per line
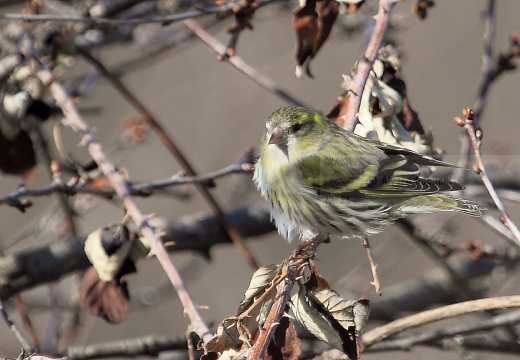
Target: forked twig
459 174
475 137
373 266
137 189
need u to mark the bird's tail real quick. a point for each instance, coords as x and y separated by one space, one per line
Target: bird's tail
437 202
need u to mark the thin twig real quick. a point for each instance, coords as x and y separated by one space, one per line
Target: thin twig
167 140
486 79
441 313
74 120
241 65
12 326
373 266
497 226
482 343
406 343
137 189
226 8
467 122
355 90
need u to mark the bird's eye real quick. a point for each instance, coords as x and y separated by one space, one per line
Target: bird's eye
296 127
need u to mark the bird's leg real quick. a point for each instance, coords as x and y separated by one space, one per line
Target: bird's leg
308 248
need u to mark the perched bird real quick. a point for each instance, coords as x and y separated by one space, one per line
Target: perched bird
320 179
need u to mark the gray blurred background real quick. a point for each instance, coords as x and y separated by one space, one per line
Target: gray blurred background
214 113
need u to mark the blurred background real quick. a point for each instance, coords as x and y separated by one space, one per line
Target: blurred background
214 113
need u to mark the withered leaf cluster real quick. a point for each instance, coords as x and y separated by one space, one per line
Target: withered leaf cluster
316 307
385 112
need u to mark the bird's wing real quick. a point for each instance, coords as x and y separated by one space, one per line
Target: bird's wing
343 164
373 169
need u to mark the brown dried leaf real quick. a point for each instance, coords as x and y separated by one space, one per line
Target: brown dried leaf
305 24
261 279
312 23
210 356
327 14
286 344
109 300
330 318
18 156
338 110
316 282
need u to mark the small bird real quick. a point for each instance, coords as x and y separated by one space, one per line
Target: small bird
320 179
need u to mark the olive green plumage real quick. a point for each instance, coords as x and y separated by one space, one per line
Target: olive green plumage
320 179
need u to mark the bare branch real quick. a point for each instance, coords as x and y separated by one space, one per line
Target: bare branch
244 165
407 342
226 8
475 137
355 90
483 343
373 266
241 65
441 313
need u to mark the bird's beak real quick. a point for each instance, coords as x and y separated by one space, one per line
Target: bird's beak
277 137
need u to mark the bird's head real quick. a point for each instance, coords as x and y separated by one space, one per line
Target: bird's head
297 131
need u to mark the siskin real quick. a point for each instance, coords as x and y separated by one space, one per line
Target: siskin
320 179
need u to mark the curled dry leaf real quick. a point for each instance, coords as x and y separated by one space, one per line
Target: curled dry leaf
305 24
109 300
251 313
113 253
330 318
312 23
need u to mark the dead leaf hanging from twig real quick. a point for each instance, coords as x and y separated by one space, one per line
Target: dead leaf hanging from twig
330 318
